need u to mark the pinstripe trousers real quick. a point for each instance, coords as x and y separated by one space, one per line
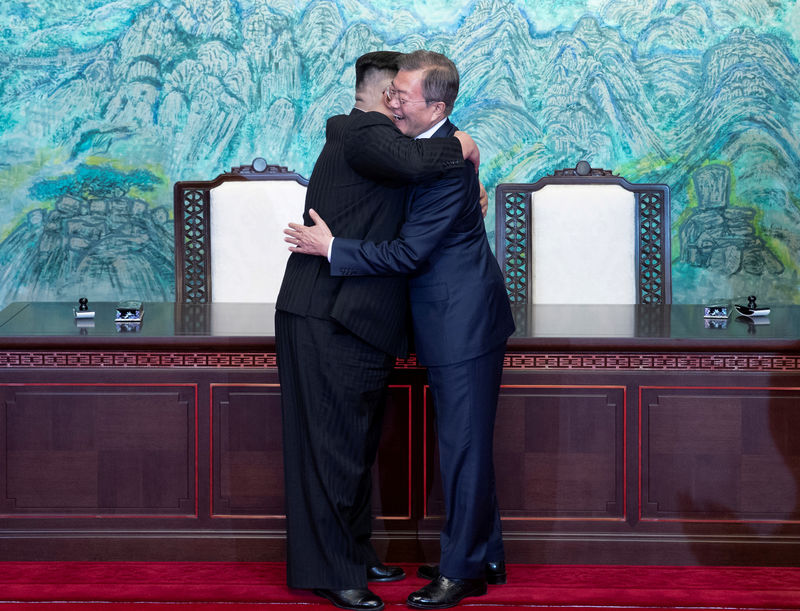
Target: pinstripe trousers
333 389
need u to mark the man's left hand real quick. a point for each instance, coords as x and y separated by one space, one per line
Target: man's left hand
313 240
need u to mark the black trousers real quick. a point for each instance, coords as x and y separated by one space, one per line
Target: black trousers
333 389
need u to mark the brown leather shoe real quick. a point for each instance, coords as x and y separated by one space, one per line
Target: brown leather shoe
495 572
444 592
359 599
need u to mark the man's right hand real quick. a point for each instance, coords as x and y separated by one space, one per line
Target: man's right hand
468 148
313 240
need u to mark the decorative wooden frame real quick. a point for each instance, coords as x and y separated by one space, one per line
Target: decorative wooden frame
513 221
192 208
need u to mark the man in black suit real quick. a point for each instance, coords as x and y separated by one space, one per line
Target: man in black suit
337 339
462 319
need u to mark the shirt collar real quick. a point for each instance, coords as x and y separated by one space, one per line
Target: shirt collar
432 130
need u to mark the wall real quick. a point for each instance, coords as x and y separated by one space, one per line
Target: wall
105 104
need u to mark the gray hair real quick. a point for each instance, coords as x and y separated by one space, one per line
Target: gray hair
440 82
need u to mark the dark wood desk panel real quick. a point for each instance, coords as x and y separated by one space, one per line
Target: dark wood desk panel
99 450
625 434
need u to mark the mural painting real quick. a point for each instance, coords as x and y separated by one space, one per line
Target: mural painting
105 104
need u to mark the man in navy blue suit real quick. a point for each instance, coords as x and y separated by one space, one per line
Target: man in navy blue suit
461 317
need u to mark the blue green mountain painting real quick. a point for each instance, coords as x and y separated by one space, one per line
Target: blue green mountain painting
104 104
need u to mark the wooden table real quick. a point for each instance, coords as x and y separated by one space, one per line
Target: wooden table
625 434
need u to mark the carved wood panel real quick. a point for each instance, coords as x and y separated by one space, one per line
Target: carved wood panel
720 454
93 449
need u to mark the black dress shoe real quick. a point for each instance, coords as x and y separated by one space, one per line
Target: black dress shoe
495 572
360 599
382 573
444 592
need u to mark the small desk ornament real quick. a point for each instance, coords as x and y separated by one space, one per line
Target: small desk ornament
752 308
129 311
716 311
82 311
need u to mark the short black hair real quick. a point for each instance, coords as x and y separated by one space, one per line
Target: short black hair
376 61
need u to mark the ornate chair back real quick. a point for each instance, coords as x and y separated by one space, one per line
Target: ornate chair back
229 233
584 236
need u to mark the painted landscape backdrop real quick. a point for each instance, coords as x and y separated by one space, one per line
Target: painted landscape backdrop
105 104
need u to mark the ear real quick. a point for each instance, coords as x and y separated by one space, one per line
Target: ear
438 111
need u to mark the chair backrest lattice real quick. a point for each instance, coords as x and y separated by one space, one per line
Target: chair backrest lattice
584 236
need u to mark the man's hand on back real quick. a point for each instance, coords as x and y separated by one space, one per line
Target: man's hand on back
313 240
468 148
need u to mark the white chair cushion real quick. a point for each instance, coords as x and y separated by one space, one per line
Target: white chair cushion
248 254
583 240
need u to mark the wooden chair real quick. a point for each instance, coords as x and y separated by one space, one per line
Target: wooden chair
584 236
229 233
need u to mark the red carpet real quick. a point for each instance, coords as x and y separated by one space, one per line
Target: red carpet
191 586
467 606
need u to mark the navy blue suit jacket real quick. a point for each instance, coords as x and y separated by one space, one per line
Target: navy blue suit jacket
459 303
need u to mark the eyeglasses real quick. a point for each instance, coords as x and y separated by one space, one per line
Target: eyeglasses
393 95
